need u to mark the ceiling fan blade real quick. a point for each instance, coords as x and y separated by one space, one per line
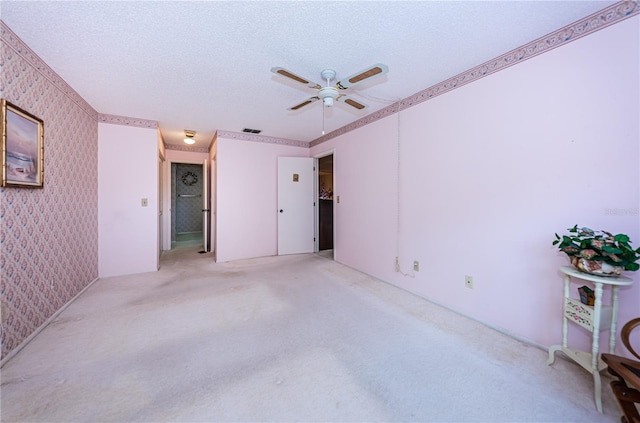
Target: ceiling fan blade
351 102
291 75
375 70
304 103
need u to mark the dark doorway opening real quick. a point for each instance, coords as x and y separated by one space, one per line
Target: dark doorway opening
325 210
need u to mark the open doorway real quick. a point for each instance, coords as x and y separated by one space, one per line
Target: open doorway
187 182
325 209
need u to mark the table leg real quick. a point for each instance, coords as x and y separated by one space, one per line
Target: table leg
598 390
552 352
565 329
597 307
614 319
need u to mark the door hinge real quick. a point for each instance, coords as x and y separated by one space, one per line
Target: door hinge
314 239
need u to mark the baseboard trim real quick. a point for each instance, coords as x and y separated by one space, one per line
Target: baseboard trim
498 329
40 328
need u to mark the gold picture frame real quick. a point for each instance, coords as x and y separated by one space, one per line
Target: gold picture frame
22 148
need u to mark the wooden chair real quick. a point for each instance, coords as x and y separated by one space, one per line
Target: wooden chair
627 388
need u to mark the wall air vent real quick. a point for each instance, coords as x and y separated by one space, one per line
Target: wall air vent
252 131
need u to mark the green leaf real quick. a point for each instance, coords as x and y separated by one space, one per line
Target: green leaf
574 229
611 250
632 267
621 238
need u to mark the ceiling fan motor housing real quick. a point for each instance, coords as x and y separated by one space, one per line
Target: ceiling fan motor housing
328 94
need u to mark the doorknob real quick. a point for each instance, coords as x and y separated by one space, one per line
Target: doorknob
280 210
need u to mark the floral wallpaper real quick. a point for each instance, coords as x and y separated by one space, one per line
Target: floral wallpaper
48 236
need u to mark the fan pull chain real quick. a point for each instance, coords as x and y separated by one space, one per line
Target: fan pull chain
323 107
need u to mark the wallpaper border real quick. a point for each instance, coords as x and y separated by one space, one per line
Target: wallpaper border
127 121
585 26
20 47
186 148
241 136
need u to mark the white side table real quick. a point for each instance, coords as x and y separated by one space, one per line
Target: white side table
593 318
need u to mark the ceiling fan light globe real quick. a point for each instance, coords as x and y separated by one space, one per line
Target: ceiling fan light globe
328 101
189 141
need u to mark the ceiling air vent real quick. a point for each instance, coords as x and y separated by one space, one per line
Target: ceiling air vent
252 131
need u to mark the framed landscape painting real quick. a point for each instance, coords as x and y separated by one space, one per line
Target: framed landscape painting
22 148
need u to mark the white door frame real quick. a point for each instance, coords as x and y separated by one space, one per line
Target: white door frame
166 234
206 210
161 169
213 179
317 192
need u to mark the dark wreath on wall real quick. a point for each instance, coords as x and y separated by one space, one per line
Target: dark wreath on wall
22 148
189 178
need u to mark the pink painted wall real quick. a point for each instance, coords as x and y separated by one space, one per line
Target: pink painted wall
365 179
128 232
488 172
48 236
247 221
180 156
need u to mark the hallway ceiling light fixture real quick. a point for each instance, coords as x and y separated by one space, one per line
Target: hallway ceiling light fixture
189 136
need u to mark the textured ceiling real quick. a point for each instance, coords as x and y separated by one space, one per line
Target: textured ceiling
205 65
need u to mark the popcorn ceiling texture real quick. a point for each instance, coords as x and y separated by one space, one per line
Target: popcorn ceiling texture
555 39
48 236
215 76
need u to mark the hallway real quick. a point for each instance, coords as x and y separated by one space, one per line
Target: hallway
189 239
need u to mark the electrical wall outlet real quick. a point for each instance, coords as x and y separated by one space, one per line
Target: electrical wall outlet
416 266
144 202
468 281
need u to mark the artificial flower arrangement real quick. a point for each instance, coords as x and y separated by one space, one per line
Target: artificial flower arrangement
598 252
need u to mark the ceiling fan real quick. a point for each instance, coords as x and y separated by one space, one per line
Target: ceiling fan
330 93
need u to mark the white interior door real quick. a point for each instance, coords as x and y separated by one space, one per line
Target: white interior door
296 205
212 205
205 207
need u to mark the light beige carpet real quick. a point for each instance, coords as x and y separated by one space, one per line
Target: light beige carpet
294 338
